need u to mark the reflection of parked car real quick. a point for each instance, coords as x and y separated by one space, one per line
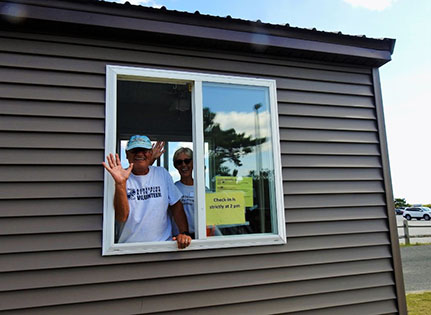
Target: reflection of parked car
399 210
417 213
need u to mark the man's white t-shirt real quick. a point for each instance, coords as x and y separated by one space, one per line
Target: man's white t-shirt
149 197
188 201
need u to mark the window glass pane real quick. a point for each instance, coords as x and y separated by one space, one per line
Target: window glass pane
241 196
161 111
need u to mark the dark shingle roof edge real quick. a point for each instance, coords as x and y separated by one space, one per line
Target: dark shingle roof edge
241 24
128 17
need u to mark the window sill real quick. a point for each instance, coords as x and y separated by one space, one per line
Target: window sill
215 242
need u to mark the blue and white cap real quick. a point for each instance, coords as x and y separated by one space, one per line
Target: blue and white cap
138 141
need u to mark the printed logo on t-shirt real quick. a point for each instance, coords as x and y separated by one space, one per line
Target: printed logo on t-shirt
187 200
144 193
131 193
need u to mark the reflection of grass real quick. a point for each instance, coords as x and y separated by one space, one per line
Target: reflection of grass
419 303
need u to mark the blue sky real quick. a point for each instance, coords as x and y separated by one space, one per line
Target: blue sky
406 80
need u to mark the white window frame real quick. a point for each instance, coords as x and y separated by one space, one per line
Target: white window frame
113 73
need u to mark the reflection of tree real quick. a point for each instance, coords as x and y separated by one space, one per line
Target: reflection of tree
226 145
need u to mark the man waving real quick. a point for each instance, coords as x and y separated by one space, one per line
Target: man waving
142 196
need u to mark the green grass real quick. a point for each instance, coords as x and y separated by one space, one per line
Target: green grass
419 303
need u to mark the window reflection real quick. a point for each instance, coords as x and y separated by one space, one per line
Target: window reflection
240 161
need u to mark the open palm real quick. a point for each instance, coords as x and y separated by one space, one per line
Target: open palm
118 173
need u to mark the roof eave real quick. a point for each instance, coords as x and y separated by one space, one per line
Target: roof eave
255 40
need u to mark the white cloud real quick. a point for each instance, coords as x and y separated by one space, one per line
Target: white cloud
375 5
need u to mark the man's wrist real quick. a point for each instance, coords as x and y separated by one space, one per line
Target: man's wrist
186 233
120 184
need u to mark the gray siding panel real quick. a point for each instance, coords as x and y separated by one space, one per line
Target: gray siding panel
332 165
38 77
89 240
43 207
162 294
319 173
154 272
381 300
331 187
29 173
324 99
46 93
325 111
54 124
335 227
51 109
51 140
314 148
50 190
141 55
326 87
50 157
293 134
342 200
49 242
335 214
326 123
347 248
35 225
52 96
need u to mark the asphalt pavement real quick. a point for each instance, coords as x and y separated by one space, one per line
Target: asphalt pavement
416 262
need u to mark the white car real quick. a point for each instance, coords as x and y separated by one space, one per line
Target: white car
417 213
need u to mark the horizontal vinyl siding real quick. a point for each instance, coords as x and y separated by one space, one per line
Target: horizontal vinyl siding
337 259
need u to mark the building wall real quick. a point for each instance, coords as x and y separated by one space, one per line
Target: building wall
338 258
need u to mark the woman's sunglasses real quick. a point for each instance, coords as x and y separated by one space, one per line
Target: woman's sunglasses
180 162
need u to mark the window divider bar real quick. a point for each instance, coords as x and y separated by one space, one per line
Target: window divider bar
199 160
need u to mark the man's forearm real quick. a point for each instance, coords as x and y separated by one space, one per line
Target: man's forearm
121 204
180 217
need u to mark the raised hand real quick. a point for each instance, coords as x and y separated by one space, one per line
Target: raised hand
118 173
158 150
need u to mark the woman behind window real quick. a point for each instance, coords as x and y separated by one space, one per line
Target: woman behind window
183 162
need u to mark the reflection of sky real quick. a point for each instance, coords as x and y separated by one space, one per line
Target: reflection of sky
234 98
234 108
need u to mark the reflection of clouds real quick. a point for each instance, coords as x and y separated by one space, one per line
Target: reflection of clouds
245 122
249 163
